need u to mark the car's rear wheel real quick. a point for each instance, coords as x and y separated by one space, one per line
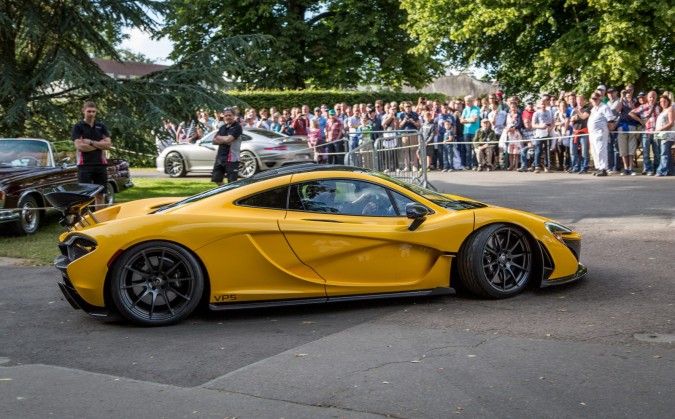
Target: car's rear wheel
109 194
29 217
156 283
248 165
174 165
496 261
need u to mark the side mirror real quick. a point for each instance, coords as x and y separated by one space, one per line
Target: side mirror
416 212
65 162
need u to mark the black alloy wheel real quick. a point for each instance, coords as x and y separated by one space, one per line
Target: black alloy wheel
496 261
156 283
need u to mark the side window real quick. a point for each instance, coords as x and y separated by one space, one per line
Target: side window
345 197
273 198
400 200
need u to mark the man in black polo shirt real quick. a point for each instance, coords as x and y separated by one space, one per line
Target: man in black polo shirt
228 140
91 139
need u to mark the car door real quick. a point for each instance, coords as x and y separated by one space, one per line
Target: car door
362 245
202 156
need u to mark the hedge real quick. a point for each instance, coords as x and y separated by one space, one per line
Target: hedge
313 98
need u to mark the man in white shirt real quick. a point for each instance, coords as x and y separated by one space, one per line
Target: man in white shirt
600 122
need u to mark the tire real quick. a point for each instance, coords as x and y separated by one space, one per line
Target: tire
29 220
156 283
496 261
248 164
109 194
174 165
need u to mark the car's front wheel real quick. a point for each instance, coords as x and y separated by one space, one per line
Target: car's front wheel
174 165
29 217
248 165
496 261
156 283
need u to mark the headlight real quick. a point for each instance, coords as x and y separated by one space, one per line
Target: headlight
558 231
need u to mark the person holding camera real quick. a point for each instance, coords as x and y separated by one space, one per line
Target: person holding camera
300 124
627 138
409 121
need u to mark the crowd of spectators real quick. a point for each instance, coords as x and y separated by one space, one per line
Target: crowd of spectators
551 133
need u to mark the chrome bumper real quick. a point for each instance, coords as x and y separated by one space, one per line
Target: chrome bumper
7 216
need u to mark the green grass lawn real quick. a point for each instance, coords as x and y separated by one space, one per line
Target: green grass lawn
40 248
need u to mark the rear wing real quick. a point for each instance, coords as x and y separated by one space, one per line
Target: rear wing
73 200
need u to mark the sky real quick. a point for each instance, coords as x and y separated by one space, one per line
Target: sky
156 50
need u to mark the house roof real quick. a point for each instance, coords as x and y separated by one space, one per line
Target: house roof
126 69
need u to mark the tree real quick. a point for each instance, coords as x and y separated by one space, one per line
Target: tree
322 44
47 73
551 44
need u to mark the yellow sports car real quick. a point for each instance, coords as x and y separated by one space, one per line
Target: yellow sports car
300 235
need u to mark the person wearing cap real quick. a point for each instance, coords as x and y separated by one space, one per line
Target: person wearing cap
613 155
483 145
600 122
646 114
602 90
318 115
335 145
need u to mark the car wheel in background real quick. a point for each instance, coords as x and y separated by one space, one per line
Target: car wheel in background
496 261
248 164
109 194
29 219
174 165
156 283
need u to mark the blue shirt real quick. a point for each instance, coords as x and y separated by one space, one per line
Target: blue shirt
469 113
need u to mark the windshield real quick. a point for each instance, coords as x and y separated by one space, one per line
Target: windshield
435 197
24 153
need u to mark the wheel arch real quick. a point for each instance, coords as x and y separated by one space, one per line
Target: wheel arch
186 162
537 253
107 296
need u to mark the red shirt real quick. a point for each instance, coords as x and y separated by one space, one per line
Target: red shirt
334 129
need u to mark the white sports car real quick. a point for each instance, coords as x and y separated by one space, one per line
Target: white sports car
260 150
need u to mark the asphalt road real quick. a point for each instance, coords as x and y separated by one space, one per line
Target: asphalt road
603 347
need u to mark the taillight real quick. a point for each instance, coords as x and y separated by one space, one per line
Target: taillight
277 148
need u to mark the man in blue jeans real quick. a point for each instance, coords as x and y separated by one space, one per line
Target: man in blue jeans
646 115
579 119
471 120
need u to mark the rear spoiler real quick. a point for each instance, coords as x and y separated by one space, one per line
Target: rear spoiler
73 201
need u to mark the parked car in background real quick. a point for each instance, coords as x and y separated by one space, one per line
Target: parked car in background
260 150
27 166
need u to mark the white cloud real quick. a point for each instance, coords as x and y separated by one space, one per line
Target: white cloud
157 50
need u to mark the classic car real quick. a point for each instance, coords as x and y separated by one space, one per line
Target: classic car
300 235
27 166
260 150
